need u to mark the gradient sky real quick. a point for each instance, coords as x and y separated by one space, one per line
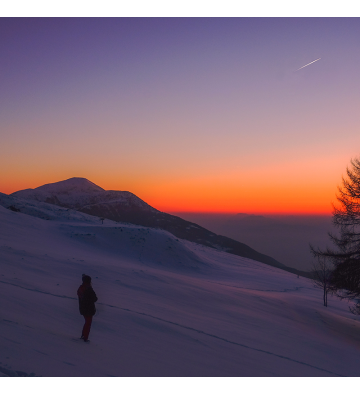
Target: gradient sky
188 114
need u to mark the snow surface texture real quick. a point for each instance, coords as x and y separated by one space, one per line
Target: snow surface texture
167 307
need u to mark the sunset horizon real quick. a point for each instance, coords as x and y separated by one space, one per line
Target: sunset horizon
179 196
199 203
190 114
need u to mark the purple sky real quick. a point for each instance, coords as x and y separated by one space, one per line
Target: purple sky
192 111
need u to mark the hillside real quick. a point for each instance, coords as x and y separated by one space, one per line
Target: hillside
167 307
84 196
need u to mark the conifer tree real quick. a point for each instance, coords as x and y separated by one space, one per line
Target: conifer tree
345 256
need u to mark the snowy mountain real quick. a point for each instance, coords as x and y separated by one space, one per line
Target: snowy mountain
167 307
84 196
81 194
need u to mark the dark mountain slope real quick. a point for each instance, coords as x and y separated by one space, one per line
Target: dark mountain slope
82 195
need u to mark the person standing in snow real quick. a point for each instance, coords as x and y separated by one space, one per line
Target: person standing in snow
87 299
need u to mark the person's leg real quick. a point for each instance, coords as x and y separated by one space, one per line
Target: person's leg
87 326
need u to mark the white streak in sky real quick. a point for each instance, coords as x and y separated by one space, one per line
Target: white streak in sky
308 64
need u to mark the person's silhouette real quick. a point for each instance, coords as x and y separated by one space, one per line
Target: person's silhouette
87 299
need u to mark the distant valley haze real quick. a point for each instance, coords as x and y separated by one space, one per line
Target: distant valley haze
284 237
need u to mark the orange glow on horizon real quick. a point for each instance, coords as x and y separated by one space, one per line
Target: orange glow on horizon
223 198
299 187
278 209
203 125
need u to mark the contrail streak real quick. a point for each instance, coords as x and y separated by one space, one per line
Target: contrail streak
308 64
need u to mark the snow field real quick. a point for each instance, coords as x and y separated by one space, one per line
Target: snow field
167 307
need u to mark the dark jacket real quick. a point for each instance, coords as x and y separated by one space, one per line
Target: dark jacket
87 299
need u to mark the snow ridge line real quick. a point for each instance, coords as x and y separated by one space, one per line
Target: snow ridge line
188 328
261 290
38 290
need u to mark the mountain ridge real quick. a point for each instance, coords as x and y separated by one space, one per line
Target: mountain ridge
122 206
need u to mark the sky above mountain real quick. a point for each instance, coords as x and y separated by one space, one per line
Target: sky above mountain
188 114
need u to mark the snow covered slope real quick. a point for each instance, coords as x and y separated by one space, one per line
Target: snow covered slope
44 210
167 307
82 195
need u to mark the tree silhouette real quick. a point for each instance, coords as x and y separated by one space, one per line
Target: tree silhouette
345 257
322 271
